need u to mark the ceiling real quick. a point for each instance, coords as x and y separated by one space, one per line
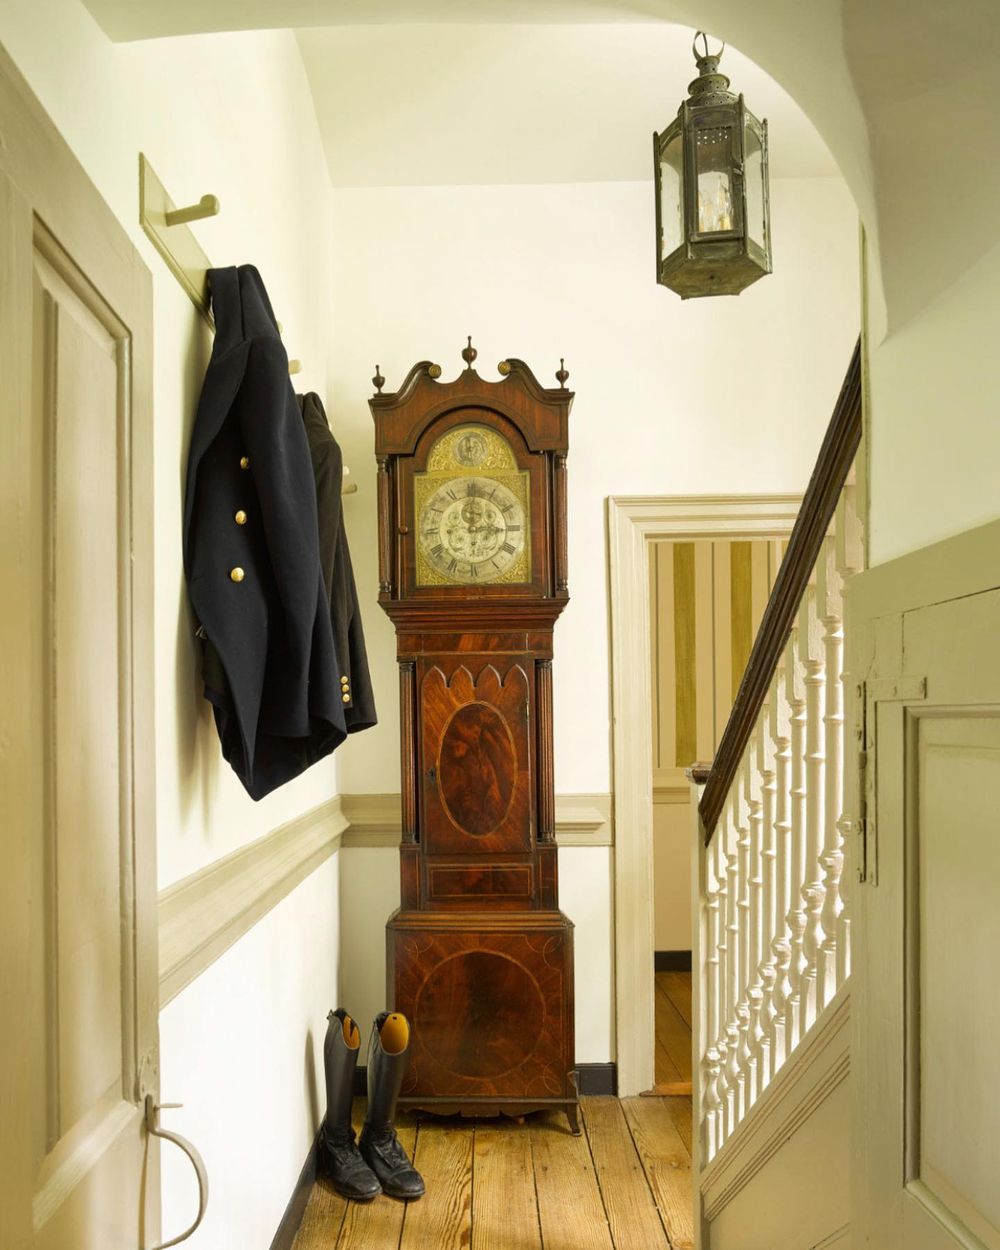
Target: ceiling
479 104
433 92
150 19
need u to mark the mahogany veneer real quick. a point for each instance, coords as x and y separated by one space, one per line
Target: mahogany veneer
480 958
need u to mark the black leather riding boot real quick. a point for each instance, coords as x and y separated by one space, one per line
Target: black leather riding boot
339 1158
388 1051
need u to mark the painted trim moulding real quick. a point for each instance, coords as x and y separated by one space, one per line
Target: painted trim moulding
374 820
205 914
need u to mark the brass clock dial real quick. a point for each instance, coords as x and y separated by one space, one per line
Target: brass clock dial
472 512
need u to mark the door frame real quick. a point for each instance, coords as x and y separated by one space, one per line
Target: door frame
635 521
69 208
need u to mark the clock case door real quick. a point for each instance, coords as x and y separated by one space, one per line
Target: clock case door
539 500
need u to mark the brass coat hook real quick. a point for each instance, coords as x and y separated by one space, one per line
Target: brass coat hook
207 206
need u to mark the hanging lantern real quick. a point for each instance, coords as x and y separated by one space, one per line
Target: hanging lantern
713 232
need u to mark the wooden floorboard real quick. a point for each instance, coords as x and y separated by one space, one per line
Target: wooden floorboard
673 1034
570 1207
632 1214
667 1164
677 987
625 1184
443 1218
504 1204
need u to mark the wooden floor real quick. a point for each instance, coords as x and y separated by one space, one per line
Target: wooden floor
624 1184
673 1028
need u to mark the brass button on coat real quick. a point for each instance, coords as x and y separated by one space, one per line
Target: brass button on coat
244 462
236 574
240 518
344 681
346 698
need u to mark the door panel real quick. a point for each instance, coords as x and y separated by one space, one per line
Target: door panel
955 844
928 985
78 973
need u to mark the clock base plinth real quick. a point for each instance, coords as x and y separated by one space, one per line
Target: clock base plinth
490 1001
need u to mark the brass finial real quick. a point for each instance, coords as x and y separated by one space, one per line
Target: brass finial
378 381
433 371
469 353
562 373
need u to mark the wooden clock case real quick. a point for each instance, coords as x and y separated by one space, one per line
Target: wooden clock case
480 957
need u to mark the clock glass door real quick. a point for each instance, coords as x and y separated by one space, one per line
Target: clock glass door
472 511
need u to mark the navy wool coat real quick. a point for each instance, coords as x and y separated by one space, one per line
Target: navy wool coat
251 551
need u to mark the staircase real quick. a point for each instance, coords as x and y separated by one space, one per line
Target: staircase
773 930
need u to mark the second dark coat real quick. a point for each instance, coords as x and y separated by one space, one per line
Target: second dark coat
335 560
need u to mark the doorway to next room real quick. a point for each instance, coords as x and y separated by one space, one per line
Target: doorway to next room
706 601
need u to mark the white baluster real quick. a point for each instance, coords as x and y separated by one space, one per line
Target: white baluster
850 560
734 1111
830 597
753 790
721 1019
710 1101
812 886
742 820
797 841
768 887
781 943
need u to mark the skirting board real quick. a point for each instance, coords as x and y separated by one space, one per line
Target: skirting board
671 961
593 1079
296 1208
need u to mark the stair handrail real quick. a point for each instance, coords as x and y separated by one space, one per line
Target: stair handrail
836 456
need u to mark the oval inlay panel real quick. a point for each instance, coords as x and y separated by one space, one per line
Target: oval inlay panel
480 1014
477 768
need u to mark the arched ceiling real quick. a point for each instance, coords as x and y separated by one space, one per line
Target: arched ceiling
902 91
458 105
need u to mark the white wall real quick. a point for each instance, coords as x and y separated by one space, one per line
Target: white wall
706 397
671 874
231 115
935 418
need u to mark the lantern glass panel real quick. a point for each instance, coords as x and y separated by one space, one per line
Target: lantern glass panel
753 167
671 194
713 166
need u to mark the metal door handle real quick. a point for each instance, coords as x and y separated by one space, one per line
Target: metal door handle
153 1110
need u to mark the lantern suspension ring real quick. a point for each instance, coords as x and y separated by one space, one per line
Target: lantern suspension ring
705 55
713 233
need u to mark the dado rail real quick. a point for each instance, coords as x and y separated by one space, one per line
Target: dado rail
773 929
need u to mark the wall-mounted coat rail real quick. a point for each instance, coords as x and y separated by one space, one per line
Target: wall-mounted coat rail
166 227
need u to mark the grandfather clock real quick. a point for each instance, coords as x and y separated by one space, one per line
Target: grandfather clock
472 572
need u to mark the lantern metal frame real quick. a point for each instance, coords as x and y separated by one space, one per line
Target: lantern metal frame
712 262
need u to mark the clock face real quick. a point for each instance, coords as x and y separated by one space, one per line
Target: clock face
472 512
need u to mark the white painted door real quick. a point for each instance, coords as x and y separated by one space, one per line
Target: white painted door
927 988
78 973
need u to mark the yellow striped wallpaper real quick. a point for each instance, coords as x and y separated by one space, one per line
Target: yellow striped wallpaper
706 601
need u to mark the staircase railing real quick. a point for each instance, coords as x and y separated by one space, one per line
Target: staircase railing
774 932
